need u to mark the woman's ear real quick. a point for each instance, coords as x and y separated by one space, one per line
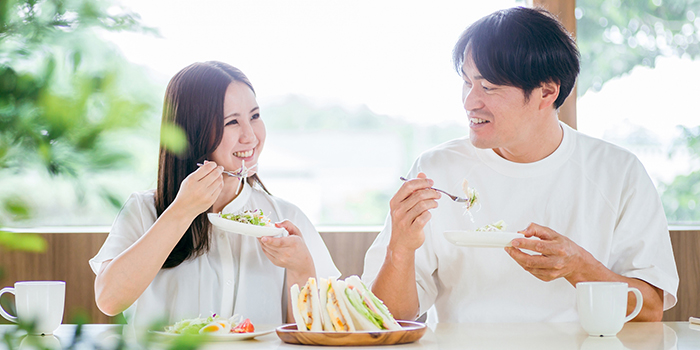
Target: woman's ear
549 94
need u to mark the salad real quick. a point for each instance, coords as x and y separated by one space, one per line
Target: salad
213 324
472 195
251 217
496 226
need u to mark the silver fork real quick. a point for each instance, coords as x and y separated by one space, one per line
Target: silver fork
453 197
240 173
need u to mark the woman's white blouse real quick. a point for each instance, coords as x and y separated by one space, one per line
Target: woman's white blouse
234 277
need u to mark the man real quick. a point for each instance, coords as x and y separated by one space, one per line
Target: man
592 207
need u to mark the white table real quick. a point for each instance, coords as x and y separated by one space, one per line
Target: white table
524 336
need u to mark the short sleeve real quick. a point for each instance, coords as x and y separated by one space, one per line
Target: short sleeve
136 216
641 241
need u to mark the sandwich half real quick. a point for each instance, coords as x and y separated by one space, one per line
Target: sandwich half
306 306
323 297
369 312
337 309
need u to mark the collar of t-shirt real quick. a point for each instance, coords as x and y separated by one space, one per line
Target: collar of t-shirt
540 167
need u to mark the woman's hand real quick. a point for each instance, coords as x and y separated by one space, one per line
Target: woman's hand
289 252
200 189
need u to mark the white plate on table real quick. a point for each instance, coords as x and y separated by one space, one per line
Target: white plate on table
221 337
482 239
244 229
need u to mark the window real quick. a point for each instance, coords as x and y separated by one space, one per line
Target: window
648 107
351 92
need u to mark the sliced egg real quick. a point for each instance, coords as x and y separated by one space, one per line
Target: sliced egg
216 327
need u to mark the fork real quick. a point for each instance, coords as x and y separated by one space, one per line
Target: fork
453 197
238 174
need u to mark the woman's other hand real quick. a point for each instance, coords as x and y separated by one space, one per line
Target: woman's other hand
200 189
289 252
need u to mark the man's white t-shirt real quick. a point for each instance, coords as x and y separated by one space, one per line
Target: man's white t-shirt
234 277
593 192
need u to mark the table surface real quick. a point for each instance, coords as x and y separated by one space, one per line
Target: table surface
560 336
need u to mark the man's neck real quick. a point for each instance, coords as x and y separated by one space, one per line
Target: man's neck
536 148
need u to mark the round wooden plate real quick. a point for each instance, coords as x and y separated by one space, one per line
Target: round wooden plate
411 332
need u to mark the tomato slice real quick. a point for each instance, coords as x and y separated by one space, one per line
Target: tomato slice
244 327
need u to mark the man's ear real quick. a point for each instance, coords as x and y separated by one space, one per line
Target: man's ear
549 93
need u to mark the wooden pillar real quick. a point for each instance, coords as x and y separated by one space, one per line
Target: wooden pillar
564 9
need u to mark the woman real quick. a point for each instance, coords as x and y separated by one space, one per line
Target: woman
163 260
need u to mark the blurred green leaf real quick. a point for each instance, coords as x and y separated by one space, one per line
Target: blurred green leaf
79 316
173 138
119 319
16 207
187 342
29 242
114 200
65 91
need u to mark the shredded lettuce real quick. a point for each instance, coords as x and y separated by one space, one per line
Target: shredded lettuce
357 303
251 217
500 225
194 325
189 326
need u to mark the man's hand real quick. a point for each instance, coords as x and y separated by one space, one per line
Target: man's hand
561 257
409 213
396 282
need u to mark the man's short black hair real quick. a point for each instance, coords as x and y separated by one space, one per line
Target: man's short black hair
521 47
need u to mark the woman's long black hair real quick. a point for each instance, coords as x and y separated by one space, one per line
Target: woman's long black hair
194 101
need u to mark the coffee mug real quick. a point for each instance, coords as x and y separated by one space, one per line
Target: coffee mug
40 302
602 306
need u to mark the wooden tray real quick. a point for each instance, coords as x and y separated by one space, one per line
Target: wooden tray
411 332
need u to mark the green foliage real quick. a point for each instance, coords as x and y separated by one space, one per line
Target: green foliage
614 36
681 198
173 138
22 241
63 92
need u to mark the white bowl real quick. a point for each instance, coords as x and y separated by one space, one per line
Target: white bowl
244 229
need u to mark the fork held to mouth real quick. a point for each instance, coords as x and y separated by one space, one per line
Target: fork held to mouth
242 172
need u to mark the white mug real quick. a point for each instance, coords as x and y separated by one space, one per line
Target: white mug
40 302
602 306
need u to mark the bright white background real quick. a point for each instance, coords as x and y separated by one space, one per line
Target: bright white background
395 58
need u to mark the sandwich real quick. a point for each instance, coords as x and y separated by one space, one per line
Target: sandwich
325 315
342 306
366 310
336 306
306 306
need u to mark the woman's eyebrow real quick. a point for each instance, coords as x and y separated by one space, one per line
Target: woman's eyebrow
236 114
